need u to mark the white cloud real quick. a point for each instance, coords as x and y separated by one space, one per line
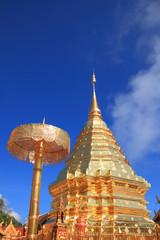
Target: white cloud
15 215
9 210
151 16
139 18
136 114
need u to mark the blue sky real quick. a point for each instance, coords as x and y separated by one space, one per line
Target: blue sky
48 50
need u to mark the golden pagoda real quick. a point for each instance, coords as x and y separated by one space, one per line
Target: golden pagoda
98 172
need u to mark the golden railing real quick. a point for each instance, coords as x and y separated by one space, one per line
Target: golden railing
95 236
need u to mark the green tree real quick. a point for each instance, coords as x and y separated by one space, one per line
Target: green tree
5 217
1 204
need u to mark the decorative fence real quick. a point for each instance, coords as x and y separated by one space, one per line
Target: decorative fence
114 237
93 236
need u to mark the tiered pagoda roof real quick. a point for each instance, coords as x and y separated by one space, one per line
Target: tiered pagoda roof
98 171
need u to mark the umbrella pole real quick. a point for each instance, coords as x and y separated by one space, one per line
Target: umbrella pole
35 194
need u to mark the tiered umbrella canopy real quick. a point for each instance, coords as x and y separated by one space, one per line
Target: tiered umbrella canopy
40 144
24 139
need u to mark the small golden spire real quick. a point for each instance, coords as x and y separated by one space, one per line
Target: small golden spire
94 111
1 223
93 78
43 120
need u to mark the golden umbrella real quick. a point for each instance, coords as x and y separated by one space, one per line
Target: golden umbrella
40 144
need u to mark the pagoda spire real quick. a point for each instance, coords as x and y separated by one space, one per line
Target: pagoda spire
94 111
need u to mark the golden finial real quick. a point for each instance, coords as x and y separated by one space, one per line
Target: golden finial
93 78
43 120
94 111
